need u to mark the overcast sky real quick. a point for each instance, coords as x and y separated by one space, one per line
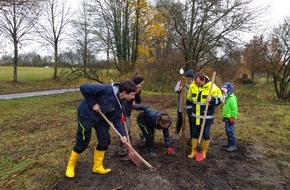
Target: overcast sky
278 10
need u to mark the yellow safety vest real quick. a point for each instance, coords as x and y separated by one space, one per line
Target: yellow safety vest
198 97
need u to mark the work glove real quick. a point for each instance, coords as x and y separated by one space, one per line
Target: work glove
232 120
170 151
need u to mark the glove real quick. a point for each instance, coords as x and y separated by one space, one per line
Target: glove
122 118
170 151
223 119
232 120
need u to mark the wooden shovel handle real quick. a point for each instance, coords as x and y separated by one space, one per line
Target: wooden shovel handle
128 144
127 131
206 108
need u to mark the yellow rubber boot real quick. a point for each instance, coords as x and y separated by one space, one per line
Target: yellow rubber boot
193 147
98 162
70 169
204 145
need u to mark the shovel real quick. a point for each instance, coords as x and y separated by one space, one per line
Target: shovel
131 154
136 157
198 151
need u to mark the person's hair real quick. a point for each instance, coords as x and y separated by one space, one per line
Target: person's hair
199 75
165 119
128 86
137 78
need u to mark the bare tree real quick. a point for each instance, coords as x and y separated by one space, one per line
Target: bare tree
228 66
279 56
113 17
117 26
202 29
4 3
54 19
17 18
84 44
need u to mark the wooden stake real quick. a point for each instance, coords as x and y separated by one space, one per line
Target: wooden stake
183 102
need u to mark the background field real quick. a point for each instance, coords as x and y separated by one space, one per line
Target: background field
39 78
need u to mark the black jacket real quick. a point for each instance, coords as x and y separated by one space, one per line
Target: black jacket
151 118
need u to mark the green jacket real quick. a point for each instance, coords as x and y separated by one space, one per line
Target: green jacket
230 108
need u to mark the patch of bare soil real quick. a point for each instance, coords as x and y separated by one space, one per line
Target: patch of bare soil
247 168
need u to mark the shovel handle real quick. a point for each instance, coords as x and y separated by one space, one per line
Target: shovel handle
127 132
206 108
128 144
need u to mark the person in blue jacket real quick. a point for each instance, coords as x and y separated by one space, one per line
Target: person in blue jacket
128 107
148 121
105 98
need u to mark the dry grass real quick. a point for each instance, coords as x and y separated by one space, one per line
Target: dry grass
36 134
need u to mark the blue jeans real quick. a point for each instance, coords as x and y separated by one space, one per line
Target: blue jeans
230 131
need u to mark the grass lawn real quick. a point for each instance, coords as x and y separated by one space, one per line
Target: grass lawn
29 79
40 78
26 74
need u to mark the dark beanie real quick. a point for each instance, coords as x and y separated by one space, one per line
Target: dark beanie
189 73
137 78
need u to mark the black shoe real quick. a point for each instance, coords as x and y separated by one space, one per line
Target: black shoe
126 158
123 151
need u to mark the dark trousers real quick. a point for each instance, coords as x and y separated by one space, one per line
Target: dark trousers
195 130
179 123
84 131
147 131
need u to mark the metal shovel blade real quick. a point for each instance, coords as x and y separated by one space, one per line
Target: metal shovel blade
198 154
135 159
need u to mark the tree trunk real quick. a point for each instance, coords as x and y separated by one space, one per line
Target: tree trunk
55 61
15 61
